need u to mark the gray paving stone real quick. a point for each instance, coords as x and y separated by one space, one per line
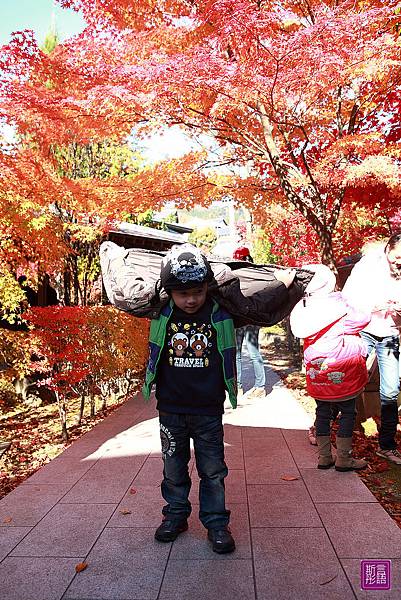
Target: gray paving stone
304 454
361 530
232 434
123 564
259 450
284 505
292 564
193 544
106 482
61 470
27 504
293 553
234 456
265 452
207 580
156 452
234 484
140 439
68 530
332 486
268 434
352 568
84 449
269 470
151 472
10 537
145 506
36 578
107 436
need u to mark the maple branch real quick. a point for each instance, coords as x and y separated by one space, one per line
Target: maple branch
309 11
305 205
183 191
230 126
309 172
273 85
216 163
340 124
369 100
289 146
355 109
335 213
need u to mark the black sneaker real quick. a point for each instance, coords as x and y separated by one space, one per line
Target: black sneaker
222 540
169 530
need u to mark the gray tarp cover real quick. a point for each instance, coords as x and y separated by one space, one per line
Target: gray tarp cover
251 293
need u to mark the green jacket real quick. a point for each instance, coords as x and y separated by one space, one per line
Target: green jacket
224 326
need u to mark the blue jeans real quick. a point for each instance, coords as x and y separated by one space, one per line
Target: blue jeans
388 353
207 434
250 334
325 411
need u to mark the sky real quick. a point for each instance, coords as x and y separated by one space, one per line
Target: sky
16 15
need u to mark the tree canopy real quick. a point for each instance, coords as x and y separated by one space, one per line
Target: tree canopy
302 98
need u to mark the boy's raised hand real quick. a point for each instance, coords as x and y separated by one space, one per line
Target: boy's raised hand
286 276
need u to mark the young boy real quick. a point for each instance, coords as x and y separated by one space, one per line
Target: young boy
192 362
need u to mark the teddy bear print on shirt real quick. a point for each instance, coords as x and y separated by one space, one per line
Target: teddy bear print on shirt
189 345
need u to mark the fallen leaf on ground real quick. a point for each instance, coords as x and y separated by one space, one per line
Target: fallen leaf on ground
381 467
7 520
375 481
289 477
329 580
81 567
125 511
132 491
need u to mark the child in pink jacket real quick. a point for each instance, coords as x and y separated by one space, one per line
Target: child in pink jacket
335 361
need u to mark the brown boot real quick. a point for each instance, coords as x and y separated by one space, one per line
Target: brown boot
345 460
326 459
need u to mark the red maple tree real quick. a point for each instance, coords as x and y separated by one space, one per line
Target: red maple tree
301 99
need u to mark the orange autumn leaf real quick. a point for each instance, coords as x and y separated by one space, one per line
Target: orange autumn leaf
289 477
81 567
132 491
8 520
125 511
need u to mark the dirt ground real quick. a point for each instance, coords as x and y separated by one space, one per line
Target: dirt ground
35 436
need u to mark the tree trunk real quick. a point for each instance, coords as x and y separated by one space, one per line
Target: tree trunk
92 404
63 417
74 268
104 390
81 409
67 285
326 245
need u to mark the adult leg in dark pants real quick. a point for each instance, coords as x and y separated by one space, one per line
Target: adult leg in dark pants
388 353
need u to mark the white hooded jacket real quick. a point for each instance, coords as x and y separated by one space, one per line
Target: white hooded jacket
334 353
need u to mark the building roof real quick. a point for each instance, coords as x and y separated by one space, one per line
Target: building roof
147 232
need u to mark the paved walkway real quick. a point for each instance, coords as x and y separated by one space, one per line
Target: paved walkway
100 502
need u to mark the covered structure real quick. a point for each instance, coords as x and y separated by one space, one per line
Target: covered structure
130 235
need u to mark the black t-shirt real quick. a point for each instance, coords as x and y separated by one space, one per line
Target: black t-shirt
190 376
